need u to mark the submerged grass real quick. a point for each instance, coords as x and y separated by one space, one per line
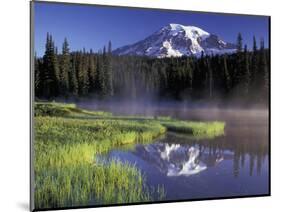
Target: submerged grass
67 141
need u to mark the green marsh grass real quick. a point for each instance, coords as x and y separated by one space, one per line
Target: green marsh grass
66 172
196 129
69 139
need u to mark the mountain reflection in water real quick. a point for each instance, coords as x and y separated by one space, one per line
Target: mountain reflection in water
236 164
172 159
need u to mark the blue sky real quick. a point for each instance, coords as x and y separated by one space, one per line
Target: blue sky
93 26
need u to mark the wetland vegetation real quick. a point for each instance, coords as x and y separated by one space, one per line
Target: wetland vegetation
69 139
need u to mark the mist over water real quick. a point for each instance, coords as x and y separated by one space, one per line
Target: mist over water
181 110
235 164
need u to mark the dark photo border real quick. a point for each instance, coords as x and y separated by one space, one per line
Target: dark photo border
32 207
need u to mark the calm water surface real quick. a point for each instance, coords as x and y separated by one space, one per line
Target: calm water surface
235 164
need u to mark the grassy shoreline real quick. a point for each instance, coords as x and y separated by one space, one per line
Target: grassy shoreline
67 141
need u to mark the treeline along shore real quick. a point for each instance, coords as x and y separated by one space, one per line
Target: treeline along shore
242 75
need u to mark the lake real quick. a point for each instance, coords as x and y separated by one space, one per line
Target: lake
236 164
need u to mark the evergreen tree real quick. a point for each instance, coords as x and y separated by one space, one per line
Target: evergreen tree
254 67
246 74
65 68
109 77
85 74
80 72
73 82
239 72
103 74
239 44
210 78
37 81
56 68
188 82
50 72
227 76
255 48
263 74
92 72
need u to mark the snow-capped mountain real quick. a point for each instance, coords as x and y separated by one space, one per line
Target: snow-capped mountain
175 40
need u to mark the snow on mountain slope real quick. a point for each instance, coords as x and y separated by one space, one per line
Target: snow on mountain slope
175 40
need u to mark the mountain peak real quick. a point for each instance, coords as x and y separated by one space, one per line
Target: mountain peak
174 26
178 27
175 40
